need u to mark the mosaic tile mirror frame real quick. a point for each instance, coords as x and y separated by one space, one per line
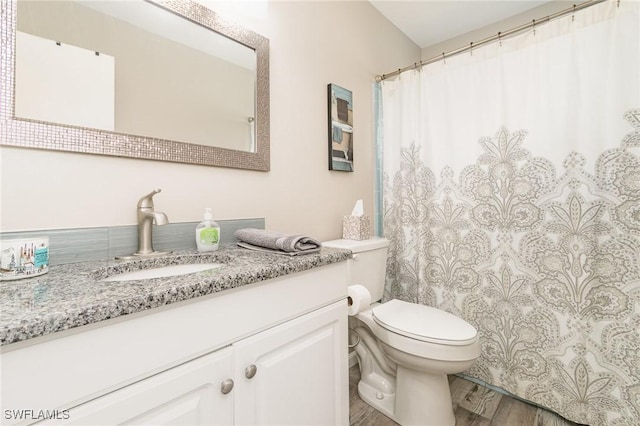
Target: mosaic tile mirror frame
39 134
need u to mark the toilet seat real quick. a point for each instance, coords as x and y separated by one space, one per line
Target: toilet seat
424 323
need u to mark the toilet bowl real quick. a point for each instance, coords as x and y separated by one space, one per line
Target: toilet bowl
446 345
405 350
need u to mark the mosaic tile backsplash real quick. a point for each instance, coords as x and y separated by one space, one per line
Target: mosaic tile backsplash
92 244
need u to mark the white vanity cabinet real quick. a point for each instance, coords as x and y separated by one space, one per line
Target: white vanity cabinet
281 343
289 374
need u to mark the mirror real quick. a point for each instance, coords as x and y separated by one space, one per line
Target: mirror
161 80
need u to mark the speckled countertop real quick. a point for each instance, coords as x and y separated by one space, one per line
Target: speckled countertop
73 295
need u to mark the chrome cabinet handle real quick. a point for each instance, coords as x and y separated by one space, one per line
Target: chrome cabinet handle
250 371
226 386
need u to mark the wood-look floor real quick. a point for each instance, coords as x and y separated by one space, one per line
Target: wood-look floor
473 405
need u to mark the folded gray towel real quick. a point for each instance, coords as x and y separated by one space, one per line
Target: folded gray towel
276 241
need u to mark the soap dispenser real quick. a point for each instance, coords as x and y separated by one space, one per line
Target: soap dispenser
207 233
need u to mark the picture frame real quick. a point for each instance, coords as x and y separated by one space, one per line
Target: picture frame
340 113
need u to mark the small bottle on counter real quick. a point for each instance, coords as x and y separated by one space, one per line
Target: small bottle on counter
207 233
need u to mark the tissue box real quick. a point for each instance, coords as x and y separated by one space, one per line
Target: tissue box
356 228
24 258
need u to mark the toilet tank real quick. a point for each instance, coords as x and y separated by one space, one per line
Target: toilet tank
369 264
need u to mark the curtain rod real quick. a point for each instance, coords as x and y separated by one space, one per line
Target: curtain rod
498 36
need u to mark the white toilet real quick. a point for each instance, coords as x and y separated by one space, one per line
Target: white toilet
405 350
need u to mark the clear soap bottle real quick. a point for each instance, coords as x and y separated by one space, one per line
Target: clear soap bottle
207 233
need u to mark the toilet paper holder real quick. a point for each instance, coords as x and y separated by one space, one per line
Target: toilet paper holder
351 330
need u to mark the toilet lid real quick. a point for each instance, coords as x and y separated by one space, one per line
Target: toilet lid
424 323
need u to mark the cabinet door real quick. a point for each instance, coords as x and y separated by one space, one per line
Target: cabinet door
300 375
189 394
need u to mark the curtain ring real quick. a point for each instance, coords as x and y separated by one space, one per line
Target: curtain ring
444 58
471 48
499 39
573 15
534 27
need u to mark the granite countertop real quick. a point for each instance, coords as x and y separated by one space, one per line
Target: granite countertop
72 295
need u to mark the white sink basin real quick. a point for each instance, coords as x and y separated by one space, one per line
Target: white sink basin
164 271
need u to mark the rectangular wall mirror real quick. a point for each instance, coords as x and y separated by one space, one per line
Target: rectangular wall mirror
163 80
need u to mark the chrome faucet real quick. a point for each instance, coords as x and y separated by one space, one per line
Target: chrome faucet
146 217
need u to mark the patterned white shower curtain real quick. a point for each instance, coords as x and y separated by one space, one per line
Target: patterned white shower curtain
511 196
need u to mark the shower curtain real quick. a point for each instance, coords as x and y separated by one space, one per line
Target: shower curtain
511 197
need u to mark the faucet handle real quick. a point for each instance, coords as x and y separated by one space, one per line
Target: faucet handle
147 200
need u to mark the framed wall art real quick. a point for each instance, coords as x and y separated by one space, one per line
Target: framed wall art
340 128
